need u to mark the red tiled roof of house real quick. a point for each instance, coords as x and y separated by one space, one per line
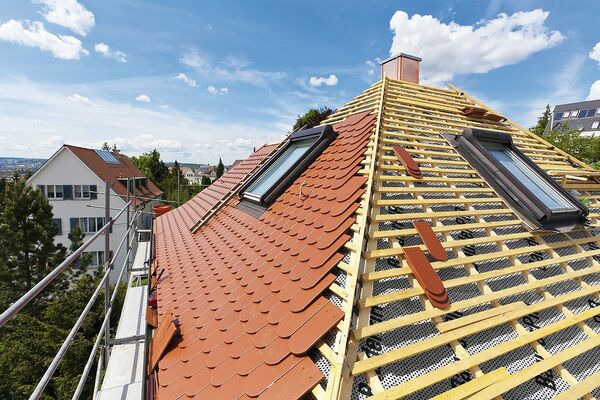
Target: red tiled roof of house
248 292
112 172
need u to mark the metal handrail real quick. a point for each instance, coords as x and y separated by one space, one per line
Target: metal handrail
90 361
11 311
67 342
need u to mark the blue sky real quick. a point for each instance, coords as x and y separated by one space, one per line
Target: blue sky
200 80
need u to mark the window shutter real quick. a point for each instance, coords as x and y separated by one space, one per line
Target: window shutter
67 192
93 192
74 223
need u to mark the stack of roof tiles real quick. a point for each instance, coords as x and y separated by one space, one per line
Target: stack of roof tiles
248 292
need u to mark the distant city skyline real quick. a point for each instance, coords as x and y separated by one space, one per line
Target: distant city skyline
203 80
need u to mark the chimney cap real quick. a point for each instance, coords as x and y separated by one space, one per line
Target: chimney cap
419 59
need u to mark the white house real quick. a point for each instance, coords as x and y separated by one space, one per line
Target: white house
192 177
73 180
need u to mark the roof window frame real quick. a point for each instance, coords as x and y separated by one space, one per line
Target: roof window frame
527 205
323 135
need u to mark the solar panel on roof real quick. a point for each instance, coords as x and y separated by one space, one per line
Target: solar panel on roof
107 156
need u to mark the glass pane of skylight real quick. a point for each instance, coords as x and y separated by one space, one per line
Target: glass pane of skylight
591 112
283 163
558 116
583 113
528 177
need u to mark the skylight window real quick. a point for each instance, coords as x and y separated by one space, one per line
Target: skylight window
107 156
298 152
595 124
558 116
530 192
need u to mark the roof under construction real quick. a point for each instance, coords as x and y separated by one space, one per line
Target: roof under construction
388 269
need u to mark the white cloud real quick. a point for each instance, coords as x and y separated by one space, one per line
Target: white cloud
143 98
193 59
595 53
314 81
594 91
215 91
104 49
76 98
176 134
53 142
34 34
186 79
68 13
564 85
370 67
231 69
450 49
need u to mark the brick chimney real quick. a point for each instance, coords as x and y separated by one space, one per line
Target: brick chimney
403 67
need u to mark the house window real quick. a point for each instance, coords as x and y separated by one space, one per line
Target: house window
88 225
81 191
532 194
54 191
288 163
58 225
96 258
595 124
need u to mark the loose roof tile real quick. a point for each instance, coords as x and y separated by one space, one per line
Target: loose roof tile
248 292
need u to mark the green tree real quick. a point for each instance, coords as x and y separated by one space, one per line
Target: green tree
27 249
220 169
542 121
31 339
584 148
76 237
205 182
312 117
152 166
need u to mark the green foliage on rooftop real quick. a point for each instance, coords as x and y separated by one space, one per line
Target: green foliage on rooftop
312 117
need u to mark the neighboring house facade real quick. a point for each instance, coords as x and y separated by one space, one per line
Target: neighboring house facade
584 115
209 171
189 174
73 180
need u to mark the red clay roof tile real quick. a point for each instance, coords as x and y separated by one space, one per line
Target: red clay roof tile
426 276
431 241
249 292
